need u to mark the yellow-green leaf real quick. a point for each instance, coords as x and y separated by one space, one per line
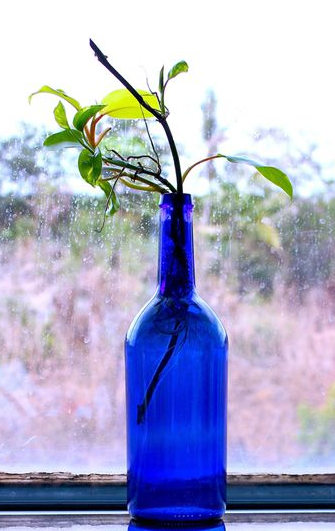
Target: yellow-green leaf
177 69
60 116
56 92
68 138
123 105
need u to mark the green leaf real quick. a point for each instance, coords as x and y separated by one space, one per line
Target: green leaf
68 137
57 92
123 105
272 174
277 177
177 69
60 116
90 165
161 80
82 117
113 201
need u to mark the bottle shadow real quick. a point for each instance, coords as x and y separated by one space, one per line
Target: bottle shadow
189 526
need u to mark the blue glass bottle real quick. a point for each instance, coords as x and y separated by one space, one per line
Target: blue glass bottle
176 388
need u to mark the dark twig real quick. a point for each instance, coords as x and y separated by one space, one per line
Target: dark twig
159 178
135 157
124 164
142 169
142 408
102 58
118 154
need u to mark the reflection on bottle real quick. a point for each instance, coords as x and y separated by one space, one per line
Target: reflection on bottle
212 526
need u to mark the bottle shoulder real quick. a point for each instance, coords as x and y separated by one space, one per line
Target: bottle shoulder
166 314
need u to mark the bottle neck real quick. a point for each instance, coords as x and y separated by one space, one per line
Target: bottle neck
176 258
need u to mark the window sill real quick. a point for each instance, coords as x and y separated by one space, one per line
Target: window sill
234 520
63 492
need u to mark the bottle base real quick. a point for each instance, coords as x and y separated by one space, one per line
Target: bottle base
177 516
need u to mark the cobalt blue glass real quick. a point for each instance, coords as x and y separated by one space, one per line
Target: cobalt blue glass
176 388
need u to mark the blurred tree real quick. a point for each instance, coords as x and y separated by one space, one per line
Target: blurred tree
28 171
212 136
308 235
249 240
23 160
211 133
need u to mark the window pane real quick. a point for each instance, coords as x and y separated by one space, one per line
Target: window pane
66 305
265 265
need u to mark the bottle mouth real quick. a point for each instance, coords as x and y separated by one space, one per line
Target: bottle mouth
172 200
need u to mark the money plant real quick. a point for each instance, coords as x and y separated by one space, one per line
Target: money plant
104 167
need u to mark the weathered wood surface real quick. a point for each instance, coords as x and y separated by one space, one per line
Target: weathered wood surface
327 479
120 479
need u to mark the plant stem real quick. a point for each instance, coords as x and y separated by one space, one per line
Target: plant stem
186 172
178 236
102 58
174 153
142 408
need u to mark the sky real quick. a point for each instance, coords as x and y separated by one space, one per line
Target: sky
270 63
